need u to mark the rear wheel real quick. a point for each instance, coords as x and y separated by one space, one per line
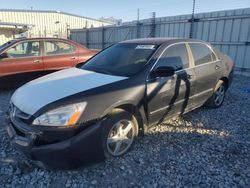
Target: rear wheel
119 132
216 100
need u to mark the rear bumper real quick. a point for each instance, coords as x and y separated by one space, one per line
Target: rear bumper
81 149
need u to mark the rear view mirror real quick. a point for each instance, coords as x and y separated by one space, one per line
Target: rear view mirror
3 55
163 71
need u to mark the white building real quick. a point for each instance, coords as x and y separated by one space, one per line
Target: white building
42 23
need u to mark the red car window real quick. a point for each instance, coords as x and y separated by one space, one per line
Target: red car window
24 49
57 48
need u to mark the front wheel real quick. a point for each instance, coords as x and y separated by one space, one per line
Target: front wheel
216 100
119 132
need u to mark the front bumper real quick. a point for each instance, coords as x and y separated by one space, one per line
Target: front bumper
81 149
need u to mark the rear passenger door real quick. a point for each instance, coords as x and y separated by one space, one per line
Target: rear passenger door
59 55
207 70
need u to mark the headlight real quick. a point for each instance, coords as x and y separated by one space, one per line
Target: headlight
62 116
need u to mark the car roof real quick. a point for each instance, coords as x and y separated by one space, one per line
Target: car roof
160 41
23 39
39 38
45 38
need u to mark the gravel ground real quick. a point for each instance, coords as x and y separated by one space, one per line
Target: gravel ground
204 148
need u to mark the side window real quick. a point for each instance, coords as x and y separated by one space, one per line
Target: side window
175 56
201 53
58 48
24 49
213 56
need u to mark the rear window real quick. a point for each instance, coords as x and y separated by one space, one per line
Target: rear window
201 53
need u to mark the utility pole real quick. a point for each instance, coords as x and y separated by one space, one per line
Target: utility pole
192 20
102 21
138 25
152 34
138 15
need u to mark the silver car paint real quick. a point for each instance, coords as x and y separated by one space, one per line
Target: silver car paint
40 92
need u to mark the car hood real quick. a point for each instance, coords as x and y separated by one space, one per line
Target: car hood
40 92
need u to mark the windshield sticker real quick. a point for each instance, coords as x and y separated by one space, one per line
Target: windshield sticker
145 47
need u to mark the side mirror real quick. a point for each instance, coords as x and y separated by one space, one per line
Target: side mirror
163 71
3 55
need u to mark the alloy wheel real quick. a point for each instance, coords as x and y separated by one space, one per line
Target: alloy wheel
120 137
219 95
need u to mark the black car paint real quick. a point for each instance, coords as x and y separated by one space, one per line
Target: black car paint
131 94
70 152
10 81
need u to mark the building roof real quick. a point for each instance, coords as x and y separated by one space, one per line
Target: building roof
15 24
53 11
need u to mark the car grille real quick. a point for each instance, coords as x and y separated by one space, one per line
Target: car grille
17 113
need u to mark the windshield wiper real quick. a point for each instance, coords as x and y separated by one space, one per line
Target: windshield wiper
102 71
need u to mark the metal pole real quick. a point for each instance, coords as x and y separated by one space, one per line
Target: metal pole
138 15
192 20
138 25
103 38
87 37
153 24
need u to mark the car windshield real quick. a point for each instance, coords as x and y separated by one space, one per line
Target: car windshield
123 59
7 44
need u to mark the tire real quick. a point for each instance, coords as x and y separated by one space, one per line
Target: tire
217 99
120 131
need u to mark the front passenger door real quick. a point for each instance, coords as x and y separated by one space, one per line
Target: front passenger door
23 62
171 95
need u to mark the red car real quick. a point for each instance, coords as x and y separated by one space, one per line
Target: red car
27 58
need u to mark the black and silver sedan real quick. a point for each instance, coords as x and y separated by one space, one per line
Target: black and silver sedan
96 110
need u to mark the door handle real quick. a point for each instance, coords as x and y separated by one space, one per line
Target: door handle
73 57
217 67
36 61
